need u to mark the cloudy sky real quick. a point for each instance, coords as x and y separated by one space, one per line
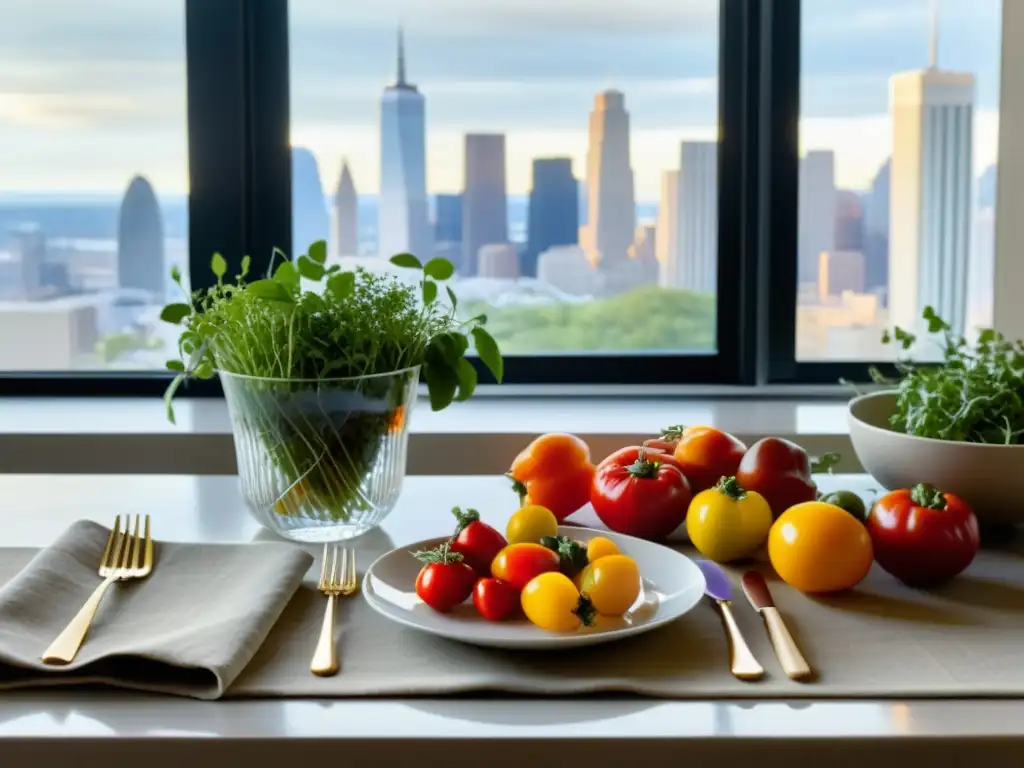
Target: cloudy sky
91 93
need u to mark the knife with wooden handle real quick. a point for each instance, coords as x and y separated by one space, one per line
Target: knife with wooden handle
792 661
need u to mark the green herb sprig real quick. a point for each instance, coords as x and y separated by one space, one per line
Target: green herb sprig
357 324
975 395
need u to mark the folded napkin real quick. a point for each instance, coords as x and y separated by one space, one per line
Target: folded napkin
189 628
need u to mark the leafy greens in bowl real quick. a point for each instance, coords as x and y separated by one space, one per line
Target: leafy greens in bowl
975 395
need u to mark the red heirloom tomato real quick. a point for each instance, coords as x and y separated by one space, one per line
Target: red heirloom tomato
518 563
778 470
554 471
923 536
707 455
477 542
641 494
495 599
444 581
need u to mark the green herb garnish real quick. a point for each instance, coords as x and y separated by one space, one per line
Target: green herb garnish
975 395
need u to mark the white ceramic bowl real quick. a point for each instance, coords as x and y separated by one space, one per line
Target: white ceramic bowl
990 478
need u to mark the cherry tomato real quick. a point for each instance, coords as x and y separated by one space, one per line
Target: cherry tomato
612 584
551 601
477 542
778 470
641 494
599 547
923 536
706 454
518 563
818 547
445 580
553 471
531 523
495 599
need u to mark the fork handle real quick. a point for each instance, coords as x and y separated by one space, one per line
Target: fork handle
325 658
64 649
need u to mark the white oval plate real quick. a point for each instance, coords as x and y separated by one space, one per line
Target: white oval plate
672 585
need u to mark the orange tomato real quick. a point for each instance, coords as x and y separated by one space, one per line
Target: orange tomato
818 547
553 471
707 455
517 564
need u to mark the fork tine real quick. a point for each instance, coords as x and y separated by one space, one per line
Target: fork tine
147 561
118 539
334 569
110 541
130 543
351 581
137 545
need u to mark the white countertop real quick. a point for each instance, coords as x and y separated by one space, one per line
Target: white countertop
478 437
40 728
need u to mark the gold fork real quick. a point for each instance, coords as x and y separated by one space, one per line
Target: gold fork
126 556
336 579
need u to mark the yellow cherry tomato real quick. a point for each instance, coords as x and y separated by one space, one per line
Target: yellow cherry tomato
599 547
530 524
612 584
727 522
551 601
818 547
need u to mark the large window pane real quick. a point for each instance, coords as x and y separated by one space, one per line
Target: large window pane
900 114
563 155
93 181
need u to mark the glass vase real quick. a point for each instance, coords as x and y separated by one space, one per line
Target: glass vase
321 459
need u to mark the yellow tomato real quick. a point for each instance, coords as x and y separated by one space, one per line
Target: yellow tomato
530 524
551 601
728 523
599 547
818 547
612 583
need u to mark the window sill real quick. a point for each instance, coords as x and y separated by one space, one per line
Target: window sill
479 437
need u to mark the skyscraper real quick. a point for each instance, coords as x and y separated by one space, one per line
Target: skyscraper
849 221
448 219
346 215
816 212
876 231
932 114
310 222
484 200
611 204
403 223
667 235
698 217
553 215
28 250
140 240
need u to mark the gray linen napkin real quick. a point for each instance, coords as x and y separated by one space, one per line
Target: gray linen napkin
188 629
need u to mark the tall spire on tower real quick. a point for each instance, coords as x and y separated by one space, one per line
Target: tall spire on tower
401 58
933 45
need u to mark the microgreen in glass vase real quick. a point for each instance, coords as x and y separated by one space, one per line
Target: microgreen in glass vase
320 368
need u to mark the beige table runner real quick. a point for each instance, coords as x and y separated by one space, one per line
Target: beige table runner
882 641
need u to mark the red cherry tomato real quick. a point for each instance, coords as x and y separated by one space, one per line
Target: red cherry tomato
706 455
641 494
518 563
780 471
477 542
444 581
495 599
923 536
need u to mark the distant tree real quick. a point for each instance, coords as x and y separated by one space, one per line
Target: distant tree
647 318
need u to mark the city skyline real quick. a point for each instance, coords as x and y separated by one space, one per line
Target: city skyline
61 104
